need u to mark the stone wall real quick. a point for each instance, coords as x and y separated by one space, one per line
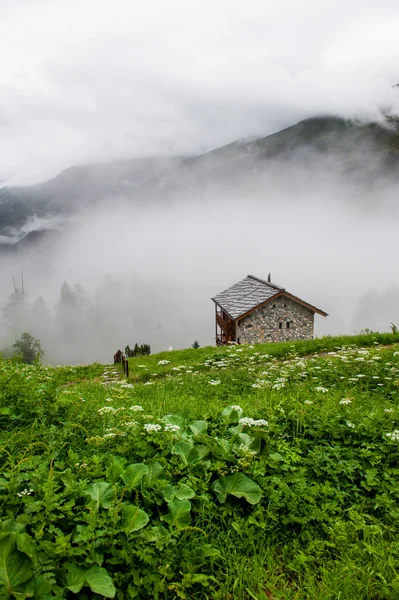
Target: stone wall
263 325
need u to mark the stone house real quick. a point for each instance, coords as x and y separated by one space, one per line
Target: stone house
256 311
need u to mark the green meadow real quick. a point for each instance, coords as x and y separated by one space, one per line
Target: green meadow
244 472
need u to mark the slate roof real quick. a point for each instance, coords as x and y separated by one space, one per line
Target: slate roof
248 293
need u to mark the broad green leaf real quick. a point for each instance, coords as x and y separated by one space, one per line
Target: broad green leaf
75 578
26 545
156 534
179 513
132 475
115 468
174 420
198 427
231 414
183 449
68 479
42 589
184 492
225 446
155 471
133 518
101 493
190 454
100 582
277 457
169 493
15 569
238 485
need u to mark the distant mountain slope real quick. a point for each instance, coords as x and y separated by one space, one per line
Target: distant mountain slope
364 151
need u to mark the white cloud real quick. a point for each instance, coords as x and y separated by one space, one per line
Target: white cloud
90 79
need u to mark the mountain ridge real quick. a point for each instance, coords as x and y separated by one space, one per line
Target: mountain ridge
366 150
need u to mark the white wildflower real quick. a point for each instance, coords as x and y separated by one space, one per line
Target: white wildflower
235 407
394 435
127 385
388 410
261 423
256 385
321 389
136 408
106 409
163 362
152 427
345 401
349 424
170 427
108 399
308 402
25 492
247 421
148 383
109 435
214 382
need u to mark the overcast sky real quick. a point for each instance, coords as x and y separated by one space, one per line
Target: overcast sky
86 80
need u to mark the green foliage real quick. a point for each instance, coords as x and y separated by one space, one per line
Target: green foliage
142 350
238 473
28 348
195 344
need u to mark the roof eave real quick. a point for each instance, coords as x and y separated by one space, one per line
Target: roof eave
282 292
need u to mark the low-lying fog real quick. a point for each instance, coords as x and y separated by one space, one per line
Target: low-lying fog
146 274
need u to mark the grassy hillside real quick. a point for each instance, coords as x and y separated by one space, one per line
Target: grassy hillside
249 472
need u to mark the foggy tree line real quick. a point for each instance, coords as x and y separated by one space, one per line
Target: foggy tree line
78 328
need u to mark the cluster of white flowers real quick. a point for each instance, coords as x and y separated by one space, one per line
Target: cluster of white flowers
108 399
388 410
136 408
170 427
127 385
256 385
235 407
249 422
278 386
246 449
349 424
152 427
163 362
81 466
321 389
25 492
106 409
148 383
394 435
345 401
109 435
214 382
308 402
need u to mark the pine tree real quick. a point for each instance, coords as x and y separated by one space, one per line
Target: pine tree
14 312
195 344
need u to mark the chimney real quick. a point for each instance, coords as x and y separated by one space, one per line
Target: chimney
269 278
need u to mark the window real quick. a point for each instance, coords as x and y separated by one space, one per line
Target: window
280 325
288 324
